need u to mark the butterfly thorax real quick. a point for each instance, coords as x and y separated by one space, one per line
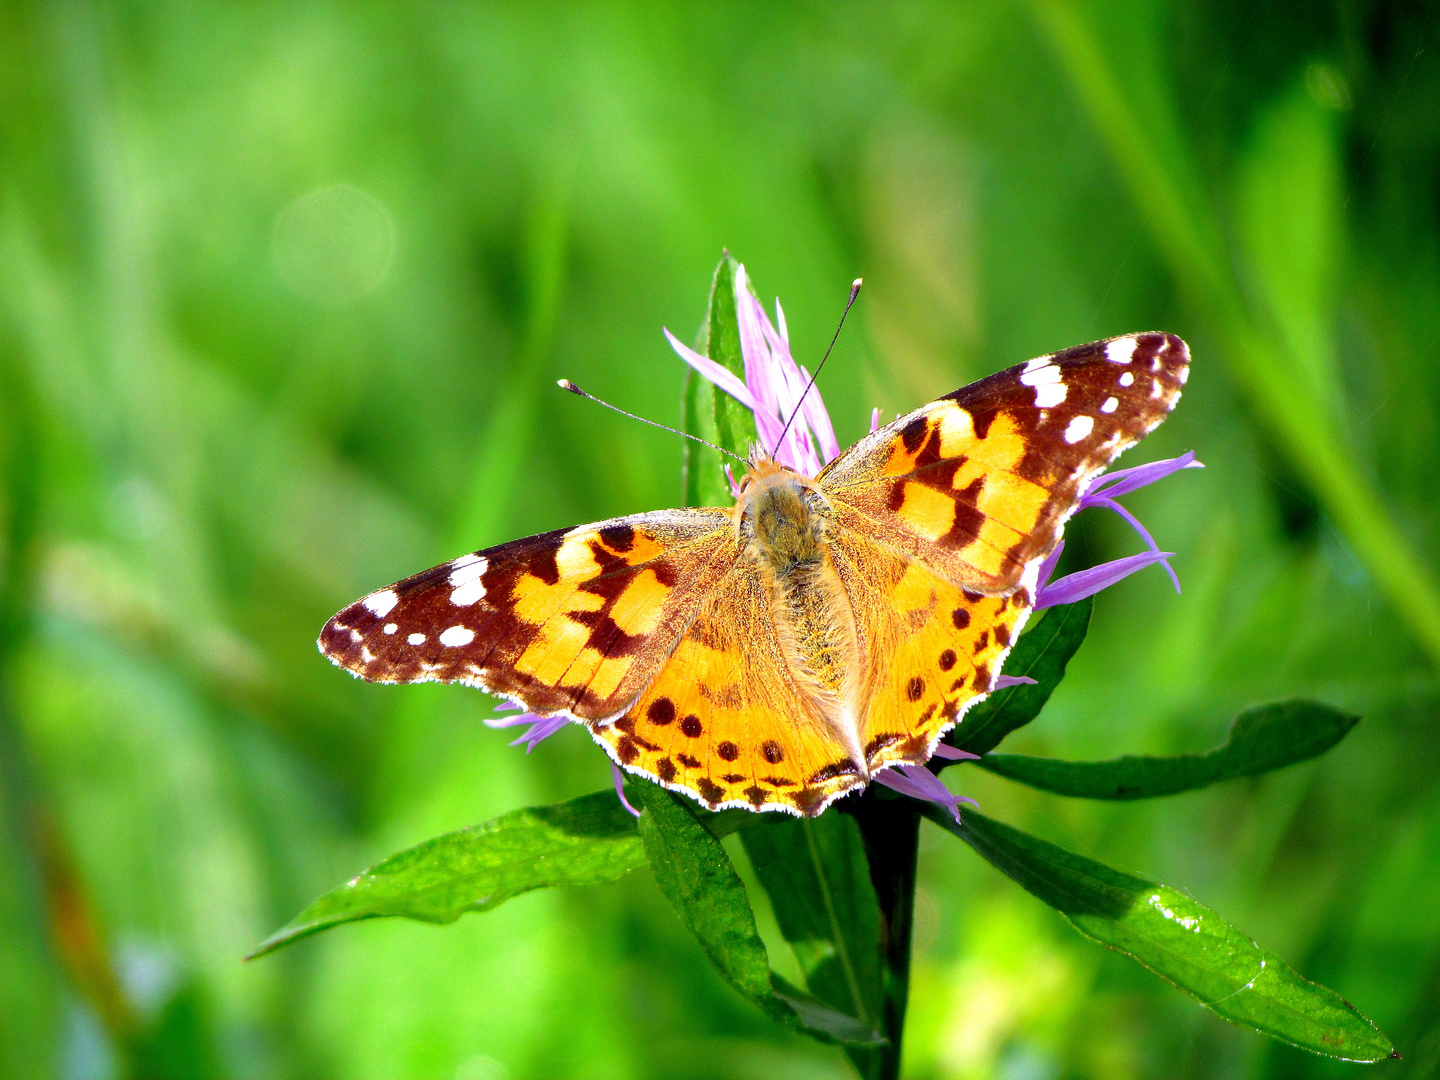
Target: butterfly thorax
783 521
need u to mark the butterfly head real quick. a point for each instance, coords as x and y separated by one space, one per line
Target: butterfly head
782 515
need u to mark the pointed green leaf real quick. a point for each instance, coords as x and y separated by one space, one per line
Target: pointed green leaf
1180 940
716 417
697 877
1263 738
818 880
1041 654
591 840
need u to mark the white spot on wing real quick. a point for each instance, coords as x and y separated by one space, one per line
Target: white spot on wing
1127 379
467 568
1120 350
1040 376
1156 389
355 635
1078 429
1111 404
468 593
381 603
457 636
416 639
366 655
389 628
1038 362
1183 374
1049 395
465 578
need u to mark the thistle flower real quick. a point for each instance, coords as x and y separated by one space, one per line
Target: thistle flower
772 386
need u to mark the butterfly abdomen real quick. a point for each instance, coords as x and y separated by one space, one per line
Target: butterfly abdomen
785 522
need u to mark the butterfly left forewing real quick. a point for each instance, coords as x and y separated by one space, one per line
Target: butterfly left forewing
575 621
979 483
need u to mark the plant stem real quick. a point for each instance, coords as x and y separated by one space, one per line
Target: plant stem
891 831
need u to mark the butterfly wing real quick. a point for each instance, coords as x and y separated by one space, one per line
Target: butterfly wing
574 621
930 648
727 721
978 484
943 517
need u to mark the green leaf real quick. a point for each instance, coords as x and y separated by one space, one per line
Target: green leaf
716 417
697 877
1263 738
591 840
1182 941
818 880
1041 654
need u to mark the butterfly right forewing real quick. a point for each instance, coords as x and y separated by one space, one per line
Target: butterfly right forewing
979 483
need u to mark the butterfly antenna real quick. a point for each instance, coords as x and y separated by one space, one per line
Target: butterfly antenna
566 384
854 292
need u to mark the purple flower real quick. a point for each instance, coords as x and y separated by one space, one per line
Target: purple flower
773 384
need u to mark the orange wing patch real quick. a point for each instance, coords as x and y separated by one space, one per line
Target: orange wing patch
979 483
726 721
932 649
574 621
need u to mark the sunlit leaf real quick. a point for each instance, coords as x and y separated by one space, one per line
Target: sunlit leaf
1180 940
586 841
1041 654
1263 738
697 877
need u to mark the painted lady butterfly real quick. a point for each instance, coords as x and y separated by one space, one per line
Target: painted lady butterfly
777 653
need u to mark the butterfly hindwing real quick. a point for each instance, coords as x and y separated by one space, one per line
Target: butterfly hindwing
979 483
726 720
573 621
930 649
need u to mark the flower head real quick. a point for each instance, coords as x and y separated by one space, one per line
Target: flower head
773 385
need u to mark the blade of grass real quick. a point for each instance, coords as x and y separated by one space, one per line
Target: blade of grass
1257 356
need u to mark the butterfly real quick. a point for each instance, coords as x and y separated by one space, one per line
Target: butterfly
777 653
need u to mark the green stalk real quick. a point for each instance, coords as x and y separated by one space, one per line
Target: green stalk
1259 359
891 831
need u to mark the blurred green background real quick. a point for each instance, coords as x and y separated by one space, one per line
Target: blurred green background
284 290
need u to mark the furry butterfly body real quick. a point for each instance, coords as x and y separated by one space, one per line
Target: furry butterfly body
777 653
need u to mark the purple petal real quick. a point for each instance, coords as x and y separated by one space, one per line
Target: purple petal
1089 582
760 376
1134 522
954 753
813 410
1012 680
620 788
777 384
1048 567
541 727
716 373
1123 481
920 783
